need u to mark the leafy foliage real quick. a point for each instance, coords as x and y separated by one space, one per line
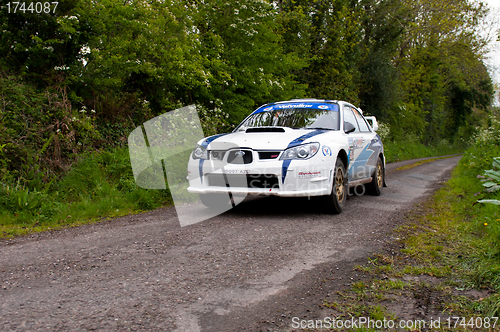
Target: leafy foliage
81 78
491 182
482 155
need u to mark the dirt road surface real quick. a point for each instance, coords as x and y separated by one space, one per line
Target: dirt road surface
250 269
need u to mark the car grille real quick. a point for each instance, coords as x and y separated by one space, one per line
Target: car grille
268 154
262 181
240 157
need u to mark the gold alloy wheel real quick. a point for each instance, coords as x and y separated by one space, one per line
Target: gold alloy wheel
339 184
380 175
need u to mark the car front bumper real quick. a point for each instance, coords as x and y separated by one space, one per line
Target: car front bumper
298 178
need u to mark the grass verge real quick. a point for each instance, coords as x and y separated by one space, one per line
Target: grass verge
413 149
100 186
422 162
442 266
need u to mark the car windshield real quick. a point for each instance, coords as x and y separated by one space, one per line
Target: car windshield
296 118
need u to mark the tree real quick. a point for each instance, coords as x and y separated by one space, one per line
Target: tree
244 60
328 34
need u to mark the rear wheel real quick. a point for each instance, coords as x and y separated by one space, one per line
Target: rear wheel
375 187
336 200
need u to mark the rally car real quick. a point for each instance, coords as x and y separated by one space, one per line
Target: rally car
303 147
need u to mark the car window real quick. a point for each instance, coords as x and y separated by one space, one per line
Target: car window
363 126
350 117
293 118
327 120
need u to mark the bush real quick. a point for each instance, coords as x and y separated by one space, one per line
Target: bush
485 146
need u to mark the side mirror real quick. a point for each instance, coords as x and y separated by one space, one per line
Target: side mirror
349 127
373 122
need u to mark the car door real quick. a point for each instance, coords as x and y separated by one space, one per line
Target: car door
357 146
367 159
370 154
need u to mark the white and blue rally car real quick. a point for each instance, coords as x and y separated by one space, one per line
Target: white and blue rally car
302 147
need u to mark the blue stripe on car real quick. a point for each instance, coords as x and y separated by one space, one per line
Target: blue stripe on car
208 140
367 152
284 169
200 168
295 142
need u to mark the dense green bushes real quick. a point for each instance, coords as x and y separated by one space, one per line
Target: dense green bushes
478 222
478 159
86 75
82 78
101 184
411 148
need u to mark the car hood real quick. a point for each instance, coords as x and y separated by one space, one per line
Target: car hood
262 140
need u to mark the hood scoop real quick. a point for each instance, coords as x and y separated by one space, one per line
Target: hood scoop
265 130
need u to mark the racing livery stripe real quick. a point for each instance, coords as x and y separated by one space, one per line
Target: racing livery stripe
376 146
372 149
364 155
302 138
208 140
200 168
284 169
295 142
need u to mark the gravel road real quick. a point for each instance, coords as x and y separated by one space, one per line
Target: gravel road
250 269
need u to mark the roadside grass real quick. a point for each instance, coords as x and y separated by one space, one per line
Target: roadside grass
422 162
101 186
443 261
411 148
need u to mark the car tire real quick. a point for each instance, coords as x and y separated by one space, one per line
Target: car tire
375 187
335 202
216 201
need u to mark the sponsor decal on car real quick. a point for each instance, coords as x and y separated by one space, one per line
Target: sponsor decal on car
355 142
304 175
295 106
322 106
327 152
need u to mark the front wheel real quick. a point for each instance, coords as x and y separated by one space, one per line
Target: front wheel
375 187
336 200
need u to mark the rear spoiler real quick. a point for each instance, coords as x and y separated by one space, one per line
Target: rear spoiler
373 122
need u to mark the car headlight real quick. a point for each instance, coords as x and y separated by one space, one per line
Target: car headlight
304 151
200 152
